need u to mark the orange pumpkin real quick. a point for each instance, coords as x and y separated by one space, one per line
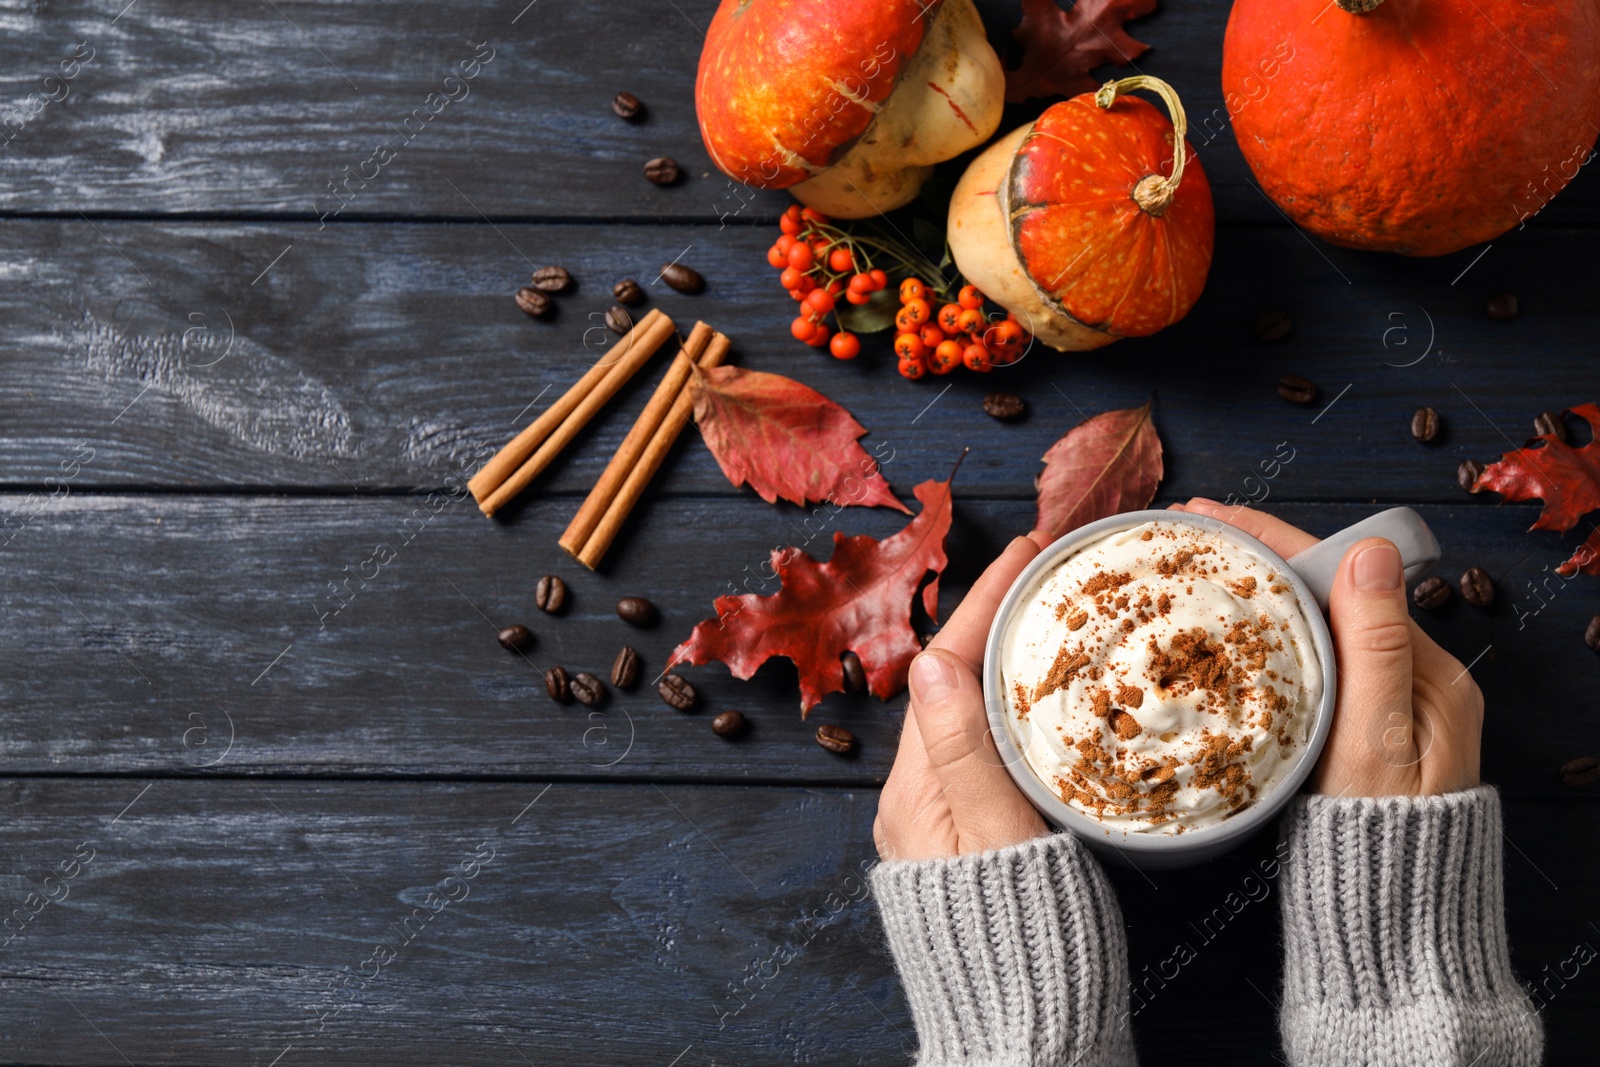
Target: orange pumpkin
849 104
1413 126
1090 224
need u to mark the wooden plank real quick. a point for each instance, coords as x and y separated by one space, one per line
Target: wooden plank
259 109
140 634
241 922
383 357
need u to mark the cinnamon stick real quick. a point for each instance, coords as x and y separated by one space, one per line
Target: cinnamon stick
655 452
642 342
501 465
633 446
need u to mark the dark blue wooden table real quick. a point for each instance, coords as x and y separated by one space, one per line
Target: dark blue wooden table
253 811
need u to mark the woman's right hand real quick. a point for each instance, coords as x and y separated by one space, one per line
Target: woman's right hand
1409 719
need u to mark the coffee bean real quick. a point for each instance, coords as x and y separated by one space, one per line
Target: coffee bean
625 670
1549 423
1003 406
550 595
516 638
677 692
855 678
1502 307
663 170
835 739
1273 326
684 279
626 105
533 302
729 724
1425 425
551 280
636 610
627 291
1430 593
618 321
1477 588
1585 770
1591 634
587 689
1296 390
557 684
1468 474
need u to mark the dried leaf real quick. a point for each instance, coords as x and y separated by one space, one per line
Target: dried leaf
786 440
858 601
1060 48
1567 479
1104 465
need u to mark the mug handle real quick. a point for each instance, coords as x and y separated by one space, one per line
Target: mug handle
1419 549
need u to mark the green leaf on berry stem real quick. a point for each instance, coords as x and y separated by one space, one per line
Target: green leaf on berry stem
874 316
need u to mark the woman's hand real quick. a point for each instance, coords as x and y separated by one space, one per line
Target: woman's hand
1409 718
948 792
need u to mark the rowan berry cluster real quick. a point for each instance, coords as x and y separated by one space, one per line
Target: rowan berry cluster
821 264
958 334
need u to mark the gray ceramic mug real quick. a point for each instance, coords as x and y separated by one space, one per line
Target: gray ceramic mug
1311 575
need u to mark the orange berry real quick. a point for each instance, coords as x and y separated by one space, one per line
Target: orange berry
976 357
950 318
912 289
783 245
777 258
803 329
790 278
912 369
820 338
945 358
856 297
860 283
970 321
788 223
931 335
845 345
880 280
819 301
801 256
909 346
813 215
969 297
840 260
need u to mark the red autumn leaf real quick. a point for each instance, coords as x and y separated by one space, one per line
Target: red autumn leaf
786 439
1586 559
1567 479
1104 465
859 601
1060 48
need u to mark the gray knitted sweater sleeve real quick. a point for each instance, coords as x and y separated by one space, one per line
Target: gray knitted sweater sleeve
1395 945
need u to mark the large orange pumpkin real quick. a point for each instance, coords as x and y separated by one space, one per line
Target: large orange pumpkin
1090 224
1413 126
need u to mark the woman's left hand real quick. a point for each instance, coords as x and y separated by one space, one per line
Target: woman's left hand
949 793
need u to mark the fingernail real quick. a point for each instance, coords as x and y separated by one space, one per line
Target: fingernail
932 678
1377 569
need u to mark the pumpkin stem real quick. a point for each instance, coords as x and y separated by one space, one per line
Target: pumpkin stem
1358 7
1154 193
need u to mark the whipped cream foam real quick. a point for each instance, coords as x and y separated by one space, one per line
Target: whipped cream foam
1161 679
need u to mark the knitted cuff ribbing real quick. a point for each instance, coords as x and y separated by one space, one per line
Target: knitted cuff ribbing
1395 945
1014 956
